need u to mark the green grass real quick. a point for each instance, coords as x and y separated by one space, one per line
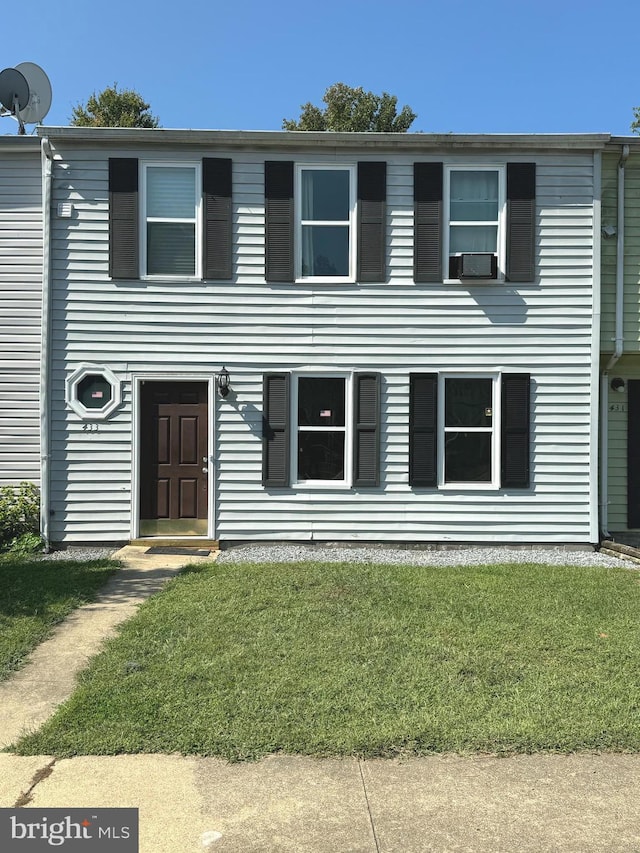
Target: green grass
35 595
244 660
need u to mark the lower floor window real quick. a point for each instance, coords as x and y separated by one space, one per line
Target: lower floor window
321 428
469 430
469 447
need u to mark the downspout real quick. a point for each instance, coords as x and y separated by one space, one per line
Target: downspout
45 420
617 351
619 341
594 348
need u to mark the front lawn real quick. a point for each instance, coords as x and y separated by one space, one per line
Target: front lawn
336 659
35 595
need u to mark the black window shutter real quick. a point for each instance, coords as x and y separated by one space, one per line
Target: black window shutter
275 430
515 430
372 205
633 453
423 429
278 189
123 217
427 239
217 226
366 433
521 221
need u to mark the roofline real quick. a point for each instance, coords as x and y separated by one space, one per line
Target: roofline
20 143
286 139
625 140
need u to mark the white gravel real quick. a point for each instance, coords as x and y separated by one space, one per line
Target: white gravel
395 555
80 553
470 556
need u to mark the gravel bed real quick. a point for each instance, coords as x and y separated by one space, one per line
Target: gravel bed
80 553
471 556
466 556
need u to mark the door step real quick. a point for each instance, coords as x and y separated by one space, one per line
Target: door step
192 543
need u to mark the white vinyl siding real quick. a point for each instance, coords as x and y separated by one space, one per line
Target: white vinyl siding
20 312
396 327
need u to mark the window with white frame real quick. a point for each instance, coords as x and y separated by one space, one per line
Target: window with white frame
475 235
468 426
171 210
321 445
325 208
93 391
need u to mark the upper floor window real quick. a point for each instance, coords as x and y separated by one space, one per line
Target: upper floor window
171 244
325 223
170 220
474 237
325 209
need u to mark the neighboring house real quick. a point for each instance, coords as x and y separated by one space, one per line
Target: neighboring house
20 308
620 343
408 324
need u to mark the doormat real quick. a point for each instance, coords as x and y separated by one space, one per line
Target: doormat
178 552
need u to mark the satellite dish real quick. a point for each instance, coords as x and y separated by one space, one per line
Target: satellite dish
39 102
14 90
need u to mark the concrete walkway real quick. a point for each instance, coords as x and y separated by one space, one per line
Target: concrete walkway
443 803
34 692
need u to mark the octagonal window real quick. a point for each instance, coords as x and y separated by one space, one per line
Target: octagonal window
93 391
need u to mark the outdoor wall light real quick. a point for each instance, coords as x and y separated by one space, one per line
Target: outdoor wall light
223 381
617 384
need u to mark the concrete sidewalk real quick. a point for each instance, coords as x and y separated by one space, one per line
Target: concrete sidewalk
525 804
442 803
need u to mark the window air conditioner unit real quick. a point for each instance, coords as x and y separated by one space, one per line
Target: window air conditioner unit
476 265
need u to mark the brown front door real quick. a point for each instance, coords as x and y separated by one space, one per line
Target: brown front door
173 459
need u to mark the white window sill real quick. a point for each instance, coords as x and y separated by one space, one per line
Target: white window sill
173 279
473 281
326 485
334 280
469 487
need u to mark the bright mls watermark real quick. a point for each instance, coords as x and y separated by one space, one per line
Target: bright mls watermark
32 830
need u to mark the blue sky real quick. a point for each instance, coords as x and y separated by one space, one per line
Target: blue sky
464 67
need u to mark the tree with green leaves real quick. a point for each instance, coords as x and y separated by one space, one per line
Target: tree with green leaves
635 124
113 108
353 110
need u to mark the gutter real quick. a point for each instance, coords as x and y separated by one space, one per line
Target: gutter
45 442
333 142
